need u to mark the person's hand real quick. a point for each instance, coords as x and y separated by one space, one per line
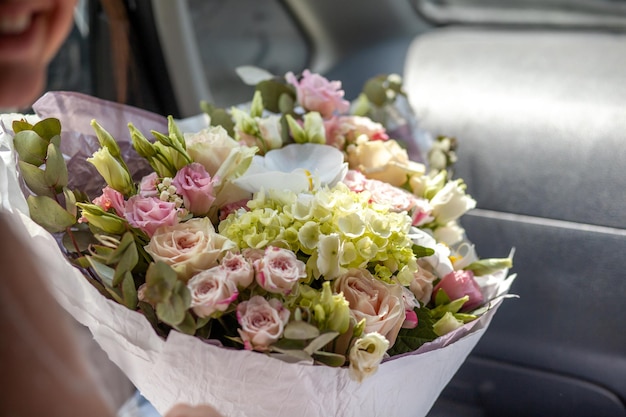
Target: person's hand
184 410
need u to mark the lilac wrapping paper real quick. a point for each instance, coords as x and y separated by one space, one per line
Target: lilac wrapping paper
185 369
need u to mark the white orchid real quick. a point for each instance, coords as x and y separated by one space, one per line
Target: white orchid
295 167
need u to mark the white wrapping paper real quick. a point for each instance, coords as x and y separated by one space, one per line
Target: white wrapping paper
236 382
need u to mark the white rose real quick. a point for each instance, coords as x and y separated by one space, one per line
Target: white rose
262 322
210 147
385 161
379 303
366 354
211 291
189 247
451 202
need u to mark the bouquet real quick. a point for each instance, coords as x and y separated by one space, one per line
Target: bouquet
287 249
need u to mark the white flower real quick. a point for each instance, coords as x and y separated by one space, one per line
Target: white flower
450 234
366 354
451 202
295 167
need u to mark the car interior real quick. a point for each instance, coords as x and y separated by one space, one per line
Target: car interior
533 90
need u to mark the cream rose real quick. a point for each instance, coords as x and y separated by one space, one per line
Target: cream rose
422 284
380 304
210 147
366 354
189 247
381 160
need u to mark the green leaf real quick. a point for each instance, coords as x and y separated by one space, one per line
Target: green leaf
271 91
104 272
20 125
49 214
330 359
149 313
320 341
219 117
286 103
160 282
128 259
35 179
188 325
421 251
106 140
294 353
82 238
409 340
56 170
31 147
300 330
129 291
70 201
489 266
252 75
375 91
48 128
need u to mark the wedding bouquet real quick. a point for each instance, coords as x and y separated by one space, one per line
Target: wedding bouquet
222 263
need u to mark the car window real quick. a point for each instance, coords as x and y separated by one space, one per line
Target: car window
245 32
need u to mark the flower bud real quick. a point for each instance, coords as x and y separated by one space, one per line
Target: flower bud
115 175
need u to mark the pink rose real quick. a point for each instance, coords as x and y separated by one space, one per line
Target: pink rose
279 270
355 181
211 291
422 284
379 303
458 284
148 185
150 213
195 185
316 93
111 199
262 322
238 269
229 208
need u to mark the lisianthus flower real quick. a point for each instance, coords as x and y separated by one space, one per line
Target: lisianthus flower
295 167
366 354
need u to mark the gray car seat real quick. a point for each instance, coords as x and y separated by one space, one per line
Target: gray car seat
540 117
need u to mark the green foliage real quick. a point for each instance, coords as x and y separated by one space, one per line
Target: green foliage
49 214
409 340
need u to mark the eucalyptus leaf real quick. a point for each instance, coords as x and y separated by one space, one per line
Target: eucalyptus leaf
49 214
81 238
300 330
35 179
219 117
295 353
48 128
188 325
104 272
329 358
320 341
31 147
252 75
271 91
56 170
115 295
375 91
129 291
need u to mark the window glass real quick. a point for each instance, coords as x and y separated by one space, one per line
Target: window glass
244 32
